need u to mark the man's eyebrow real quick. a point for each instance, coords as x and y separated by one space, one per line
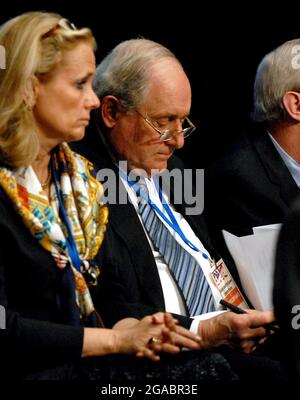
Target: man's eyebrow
172 115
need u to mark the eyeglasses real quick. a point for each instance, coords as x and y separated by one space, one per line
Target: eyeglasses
187 128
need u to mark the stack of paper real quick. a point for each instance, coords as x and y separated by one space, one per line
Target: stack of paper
254 256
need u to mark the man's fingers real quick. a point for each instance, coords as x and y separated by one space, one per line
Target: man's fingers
248 346
260 318
183 341
184 332
254 333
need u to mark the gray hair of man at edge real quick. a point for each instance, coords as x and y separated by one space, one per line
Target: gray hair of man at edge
277 73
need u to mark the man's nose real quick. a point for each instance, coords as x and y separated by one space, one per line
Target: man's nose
177 140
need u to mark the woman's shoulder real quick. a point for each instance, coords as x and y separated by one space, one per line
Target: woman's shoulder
5 202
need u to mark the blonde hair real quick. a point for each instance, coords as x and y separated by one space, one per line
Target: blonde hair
34 43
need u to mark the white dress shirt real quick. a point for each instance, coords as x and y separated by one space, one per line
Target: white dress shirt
171 292
291 164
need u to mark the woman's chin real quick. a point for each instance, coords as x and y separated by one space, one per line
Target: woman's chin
77 135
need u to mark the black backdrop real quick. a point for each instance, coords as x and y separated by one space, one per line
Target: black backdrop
219 46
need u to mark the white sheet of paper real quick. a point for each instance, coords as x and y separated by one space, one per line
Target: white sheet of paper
254 257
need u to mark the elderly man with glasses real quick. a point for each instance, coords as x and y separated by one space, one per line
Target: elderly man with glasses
155 256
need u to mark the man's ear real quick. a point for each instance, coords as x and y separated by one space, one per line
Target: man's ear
291 102
109 109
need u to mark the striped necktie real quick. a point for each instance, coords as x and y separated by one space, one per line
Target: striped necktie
184 268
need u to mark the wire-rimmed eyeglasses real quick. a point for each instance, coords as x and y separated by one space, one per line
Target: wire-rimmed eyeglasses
169 133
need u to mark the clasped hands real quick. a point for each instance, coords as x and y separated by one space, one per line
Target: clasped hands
160 332
154 334
171 339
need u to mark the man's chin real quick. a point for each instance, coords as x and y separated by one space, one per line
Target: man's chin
159 168
148 170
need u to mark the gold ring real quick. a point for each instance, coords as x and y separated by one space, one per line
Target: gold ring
154 340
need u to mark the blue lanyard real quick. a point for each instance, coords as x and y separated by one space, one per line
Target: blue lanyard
171 221
70 242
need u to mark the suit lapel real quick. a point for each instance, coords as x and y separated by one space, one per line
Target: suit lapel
276 169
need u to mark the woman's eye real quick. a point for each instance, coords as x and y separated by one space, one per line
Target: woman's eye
80 84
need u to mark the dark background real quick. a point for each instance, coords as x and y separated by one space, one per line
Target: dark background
219 46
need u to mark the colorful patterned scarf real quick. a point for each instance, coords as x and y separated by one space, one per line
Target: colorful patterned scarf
87 216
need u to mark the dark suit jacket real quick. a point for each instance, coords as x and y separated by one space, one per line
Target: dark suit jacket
129 284
287 287
250 186
36 336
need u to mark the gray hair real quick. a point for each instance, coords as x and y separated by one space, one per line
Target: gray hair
126 71
278 73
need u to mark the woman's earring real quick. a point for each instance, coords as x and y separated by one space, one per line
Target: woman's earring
27 105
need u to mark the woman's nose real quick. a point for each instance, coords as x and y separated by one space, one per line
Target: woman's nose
92 100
